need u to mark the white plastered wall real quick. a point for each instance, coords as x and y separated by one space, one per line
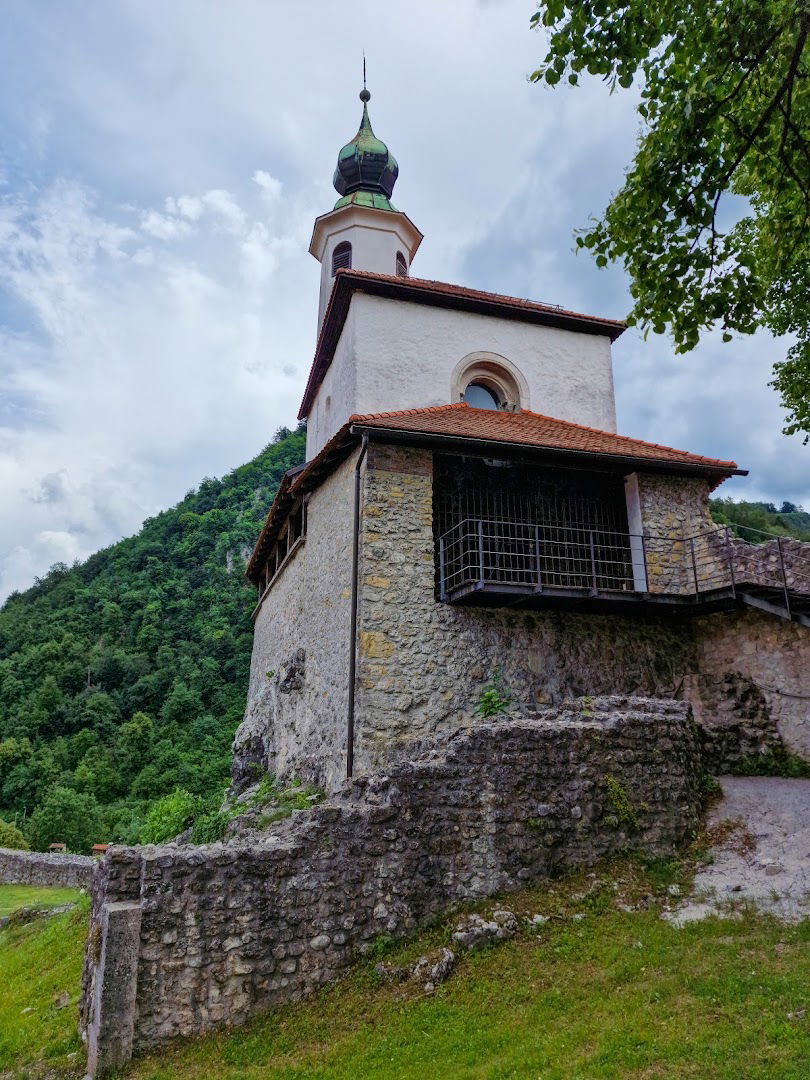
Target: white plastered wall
376 236
337 395
399 355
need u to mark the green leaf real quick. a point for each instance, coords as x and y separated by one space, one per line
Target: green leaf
716 81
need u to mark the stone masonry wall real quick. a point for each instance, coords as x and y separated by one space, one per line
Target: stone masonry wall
44 868
208 936
675 510
751 685
763 563
423 664
295 721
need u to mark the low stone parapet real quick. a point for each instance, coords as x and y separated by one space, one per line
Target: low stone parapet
186 939
44 868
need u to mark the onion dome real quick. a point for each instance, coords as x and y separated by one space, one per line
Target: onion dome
366 169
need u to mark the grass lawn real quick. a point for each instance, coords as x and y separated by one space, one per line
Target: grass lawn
40 976
17 896
594 993
612 995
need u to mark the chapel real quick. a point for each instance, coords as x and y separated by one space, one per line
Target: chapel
468 520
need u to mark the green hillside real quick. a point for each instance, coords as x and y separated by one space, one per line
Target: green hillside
125 676
599 988
751 518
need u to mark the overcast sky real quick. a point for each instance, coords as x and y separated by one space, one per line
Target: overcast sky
161 164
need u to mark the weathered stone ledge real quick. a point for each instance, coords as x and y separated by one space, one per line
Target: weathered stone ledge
44 868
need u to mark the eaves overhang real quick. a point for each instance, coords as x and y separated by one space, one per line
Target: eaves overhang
501 449
436 294
305 478
327 224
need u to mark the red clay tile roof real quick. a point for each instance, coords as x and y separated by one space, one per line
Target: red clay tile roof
437 294
530 429
483 426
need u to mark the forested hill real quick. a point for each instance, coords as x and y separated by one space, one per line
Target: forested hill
750 519
124 677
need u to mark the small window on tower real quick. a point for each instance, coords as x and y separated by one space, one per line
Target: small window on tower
342 257
402 266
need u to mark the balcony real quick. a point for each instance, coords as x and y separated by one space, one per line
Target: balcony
498 561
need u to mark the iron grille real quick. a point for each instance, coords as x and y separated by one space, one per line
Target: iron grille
514 524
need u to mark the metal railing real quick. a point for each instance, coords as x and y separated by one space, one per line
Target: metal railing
505 555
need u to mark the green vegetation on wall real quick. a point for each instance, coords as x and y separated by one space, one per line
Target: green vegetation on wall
785 520
123 678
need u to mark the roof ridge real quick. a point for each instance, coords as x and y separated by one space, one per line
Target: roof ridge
557 309
409 412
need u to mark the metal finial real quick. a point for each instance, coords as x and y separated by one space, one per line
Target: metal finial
364 94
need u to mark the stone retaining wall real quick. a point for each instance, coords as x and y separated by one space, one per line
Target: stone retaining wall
750 686
422 664
43 868
185 939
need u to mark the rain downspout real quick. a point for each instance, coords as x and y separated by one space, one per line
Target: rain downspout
353 630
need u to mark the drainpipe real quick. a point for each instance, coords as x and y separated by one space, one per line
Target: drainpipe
353 631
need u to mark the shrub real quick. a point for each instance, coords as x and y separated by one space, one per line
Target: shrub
494 698
776 762
210 821
66 816
169 816
11 837
620 802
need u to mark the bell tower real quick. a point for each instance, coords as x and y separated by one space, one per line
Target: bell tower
364 230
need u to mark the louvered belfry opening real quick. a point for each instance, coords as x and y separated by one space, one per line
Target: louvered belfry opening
342 257
506 526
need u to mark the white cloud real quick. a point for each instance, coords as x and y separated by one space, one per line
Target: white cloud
147 370
271 188
163 227
189 206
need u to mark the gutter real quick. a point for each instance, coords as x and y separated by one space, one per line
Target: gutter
353 629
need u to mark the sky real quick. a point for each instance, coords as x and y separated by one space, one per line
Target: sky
161 165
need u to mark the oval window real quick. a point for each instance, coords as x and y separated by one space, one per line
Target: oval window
481 397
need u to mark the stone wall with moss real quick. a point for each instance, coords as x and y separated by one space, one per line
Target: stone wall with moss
187 939
422 665
750 688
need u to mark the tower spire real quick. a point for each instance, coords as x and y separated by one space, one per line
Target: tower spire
366 169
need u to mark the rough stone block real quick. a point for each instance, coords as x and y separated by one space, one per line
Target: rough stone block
114 989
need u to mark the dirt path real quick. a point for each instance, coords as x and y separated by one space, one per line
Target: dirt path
761 854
